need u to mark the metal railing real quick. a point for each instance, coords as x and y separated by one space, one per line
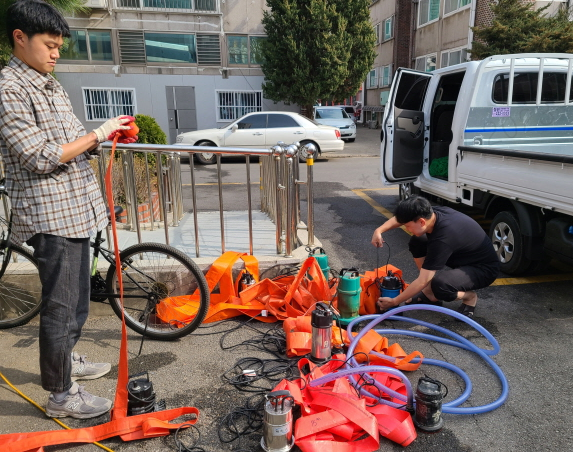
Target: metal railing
279 179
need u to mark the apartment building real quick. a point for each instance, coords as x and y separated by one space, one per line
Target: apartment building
190 64
422 35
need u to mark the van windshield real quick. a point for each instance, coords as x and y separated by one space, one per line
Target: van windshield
331 113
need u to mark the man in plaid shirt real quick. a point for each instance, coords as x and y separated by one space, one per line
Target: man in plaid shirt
56 201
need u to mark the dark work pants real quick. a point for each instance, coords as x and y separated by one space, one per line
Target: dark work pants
65 275
448 282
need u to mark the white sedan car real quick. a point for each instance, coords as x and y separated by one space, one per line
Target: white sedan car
263 130
337 117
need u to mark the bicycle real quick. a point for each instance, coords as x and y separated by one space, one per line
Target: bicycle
151 272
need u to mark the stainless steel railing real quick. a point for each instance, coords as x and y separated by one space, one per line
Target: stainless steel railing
279 183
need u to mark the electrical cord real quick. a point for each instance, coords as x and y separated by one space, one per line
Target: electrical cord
182 447
60 423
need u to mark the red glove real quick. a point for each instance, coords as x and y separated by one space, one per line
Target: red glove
111 127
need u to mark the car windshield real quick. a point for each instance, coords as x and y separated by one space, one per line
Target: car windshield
330 113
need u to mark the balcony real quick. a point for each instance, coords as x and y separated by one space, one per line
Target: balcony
175 6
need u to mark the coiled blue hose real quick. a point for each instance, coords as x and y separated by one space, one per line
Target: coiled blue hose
354 368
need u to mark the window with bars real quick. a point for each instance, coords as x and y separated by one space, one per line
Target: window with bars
88 45
428 11
102 104
231 105
196 5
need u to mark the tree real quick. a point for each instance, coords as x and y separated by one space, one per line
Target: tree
64 6
316 49
519 27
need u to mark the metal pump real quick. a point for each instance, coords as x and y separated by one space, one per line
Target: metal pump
277 422
321 322
429 396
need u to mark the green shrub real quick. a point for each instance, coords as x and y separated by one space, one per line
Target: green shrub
149 130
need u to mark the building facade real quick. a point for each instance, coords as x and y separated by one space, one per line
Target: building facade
424 35
190 64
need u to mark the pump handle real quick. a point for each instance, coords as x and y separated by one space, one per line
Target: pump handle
283 396
322 305
354 271
312 250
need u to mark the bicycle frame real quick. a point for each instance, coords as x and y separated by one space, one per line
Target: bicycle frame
109 256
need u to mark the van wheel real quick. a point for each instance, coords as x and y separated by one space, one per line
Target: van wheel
205 158
406 190
507 239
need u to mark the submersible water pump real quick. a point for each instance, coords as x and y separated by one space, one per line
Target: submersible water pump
277 422
349 295
321 258
391 286
429 397
321 322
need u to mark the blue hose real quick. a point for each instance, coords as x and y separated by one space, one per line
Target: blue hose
353 367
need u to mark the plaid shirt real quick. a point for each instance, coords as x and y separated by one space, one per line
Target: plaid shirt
47 196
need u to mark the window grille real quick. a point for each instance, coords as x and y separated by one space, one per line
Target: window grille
102 104
231 105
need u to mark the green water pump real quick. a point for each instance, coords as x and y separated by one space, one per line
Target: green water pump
321 258
349 295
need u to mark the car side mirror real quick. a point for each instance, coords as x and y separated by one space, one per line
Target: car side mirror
234 128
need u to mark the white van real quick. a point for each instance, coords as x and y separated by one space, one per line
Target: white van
496 135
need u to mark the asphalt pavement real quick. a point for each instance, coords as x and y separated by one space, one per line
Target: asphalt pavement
532 319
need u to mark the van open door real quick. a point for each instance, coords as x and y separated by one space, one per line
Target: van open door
404 127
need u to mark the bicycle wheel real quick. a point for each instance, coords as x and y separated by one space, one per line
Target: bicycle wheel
153 273
20 286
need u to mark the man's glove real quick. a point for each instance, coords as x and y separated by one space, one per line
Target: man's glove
111 127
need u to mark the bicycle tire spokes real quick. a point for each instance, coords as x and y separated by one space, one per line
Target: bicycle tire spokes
20 287
151 273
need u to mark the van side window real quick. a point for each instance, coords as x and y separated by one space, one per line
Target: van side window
525 87
411 92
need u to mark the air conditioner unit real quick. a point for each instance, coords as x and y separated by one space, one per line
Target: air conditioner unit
95 4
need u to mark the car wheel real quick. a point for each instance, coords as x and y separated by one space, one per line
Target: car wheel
302 155
406 190
507 239
206 158
351 140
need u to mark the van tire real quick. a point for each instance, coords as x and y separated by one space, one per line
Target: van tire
206 158
508 242
406 190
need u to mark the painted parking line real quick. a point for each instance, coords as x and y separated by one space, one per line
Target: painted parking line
498 282
385 212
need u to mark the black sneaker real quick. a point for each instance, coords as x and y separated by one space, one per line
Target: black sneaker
466 310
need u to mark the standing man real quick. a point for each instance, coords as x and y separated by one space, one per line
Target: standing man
56 201
453 253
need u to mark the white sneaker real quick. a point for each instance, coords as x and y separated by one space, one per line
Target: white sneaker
79 404
84 370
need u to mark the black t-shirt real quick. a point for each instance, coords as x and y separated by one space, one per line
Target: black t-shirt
456 241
